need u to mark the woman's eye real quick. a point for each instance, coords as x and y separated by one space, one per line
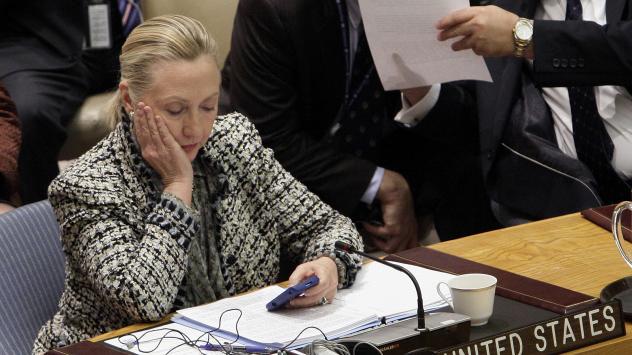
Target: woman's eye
208 109
175 112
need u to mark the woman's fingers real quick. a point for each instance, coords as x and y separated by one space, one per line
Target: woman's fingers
316 297
327 272
159 148
153 131
165 135
300 273
140 125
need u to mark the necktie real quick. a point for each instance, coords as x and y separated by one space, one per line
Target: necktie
131 15
365 111
592 142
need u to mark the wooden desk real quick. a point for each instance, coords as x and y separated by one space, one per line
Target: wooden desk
567 251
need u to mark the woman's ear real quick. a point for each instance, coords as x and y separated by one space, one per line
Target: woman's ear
127 100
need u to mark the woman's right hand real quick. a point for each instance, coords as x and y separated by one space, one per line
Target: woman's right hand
161 151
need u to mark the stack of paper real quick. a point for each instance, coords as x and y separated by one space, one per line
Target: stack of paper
390 293
275 328
379 294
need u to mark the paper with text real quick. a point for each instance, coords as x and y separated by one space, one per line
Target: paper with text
390 293
403 42
259 325
378 292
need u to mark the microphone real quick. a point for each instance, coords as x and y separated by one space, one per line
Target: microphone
421 319
435 330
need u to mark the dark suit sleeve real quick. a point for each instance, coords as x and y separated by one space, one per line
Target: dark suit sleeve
453 118
571 53
264 86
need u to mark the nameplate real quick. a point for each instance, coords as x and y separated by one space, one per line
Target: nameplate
589 326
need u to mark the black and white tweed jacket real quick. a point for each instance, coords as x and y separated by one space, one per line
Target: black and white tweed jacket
126 243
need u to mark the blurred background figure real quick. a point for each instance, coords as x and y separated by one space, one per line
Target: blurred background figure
9 149
51 58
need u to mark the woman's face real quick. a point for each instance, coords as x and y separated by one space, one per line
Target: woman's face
185 94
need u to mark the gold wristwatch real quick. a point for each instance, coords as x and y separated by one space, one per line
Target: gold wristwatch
522 34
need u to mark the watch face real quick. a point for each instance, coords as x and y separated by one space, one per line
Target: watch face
524 31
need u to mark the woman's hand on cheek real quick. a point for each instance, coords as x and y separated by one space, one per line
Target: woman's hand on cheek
161 151
326 270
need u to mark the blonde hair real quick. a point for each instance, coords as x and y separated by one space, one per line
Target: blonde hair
162 38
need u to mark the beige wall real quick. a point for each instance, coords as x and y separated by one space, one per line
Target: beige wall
216 15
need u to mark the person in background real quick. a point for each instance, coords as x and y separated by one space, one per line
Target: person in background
302 71
47 67
556 127
178 206
9 148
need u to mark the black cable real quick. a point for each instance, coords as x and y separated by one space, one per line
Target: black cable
299 334
355 347
137 340
226 346
183 337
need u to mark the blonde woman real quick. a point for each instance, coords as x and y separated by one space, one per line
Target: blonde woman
179 207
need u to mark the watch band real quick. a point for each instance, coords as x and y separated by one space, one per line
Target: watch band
520 43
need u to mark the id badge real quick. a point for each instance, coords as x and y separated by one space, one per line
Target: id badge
99 33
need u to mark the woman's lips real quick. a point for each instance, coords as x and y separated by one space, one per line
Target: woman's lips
189 147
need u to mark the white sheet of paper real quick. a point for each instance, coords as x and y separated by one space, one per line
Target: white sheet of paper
387 291
403 42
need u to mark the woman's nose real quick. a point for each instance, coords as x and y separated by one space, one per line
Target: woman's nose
191 126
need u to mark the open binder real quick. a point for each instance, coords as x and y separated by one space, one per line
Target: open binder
380 295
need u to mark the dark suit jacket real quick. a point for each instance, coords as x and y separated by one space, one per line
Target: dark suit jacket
547 182
37 34
48 35
286 72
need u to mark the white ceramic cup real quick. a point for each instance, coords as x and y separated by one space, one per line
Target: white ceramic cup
472 295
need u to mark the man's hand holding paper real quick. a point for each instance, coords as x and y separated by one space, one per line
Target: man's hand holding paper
402 35
487 30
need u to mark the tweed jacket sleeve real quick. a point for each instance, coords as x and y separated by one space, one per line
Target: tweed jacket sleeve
306 227
128 252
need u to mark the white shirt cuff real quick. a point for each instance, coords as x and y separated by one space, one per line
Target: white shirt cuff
410 116
371 191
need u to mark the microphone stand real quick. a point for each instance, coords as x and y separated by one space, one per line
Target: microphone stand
421 319
440 330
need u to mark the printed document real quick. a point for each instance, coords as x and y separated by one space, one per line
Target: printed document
380 294
403 42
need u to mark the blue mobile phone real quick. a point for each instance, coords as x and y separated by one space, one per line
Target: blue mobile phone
291 293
